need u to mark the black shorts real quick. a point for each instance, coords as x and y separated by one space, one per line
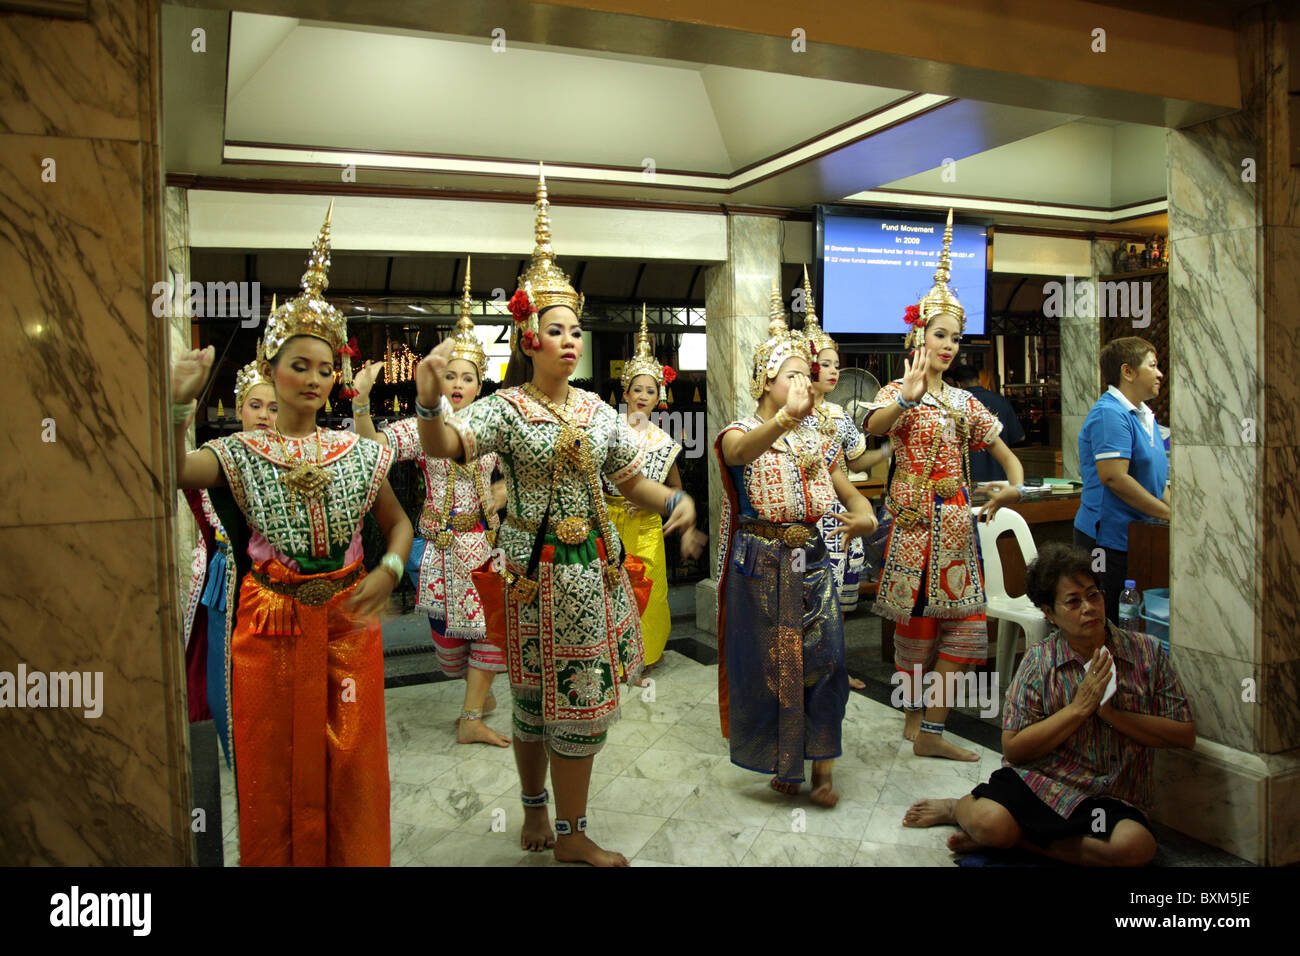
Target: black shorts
1041 824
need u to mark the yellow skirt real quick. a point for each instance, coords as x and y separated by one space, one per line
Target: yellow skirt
642 534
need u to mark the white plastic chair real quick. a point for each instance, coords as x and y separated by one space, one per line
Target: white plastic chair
1008 611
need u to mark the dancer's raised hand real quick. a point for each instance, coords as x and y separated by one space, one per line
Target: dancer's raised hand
428 374
190 371
364 380
799 399
914 372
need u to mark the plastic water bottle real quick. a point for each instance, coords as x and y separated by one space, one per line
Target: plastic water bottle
1130 599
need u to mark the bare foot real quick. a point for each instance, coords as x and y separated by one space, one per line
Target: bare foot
930 813
933 745
780 786
477 732
855 684
580 848
536 834
823 790
912 723
961 842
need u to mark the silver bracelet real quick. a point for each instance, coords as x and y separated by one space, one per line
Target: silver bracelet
181 412
673 501
394 564
905 403
428 414
360 408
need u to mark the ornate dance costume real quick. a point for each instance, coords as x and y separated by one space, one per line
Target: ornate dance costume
844 442
782 683
214 581
642 532
570 616
307 676
455 533
931 583
571 622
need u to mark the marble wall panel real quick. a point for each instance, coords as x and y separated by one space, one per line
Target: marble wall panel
1213 684
80 332
1071 425
1279 707
75 78
1284 820
1214 795
91 791
1207 193
1280 359
1279 548
1214 307
1214 585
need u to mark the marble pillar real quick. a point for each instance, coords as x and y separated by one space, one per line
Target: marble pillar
177 226
90 578
736 305
1080 368
1234 318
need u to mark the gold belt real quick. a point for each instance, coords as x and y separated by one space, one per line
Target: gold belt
572 530
313 592
945 487
435 521
791 535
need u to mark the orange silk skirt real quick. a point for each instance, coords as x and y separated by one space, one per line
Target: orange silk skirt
311 751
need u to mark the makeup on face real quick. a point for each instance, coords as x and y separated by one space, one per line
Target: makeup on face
561 335
259 409
829 376
943 339
304 374
642 394
460 383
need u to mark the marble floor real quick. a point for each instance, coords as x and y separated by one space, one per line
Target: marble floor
663 792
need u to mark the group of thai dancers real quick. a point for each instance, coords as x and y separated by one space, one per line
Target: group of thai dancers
568 593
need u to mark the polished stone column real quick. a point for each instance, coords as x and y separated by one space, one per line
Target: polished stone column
90 577
177 225
736 305
1080 369
1234 319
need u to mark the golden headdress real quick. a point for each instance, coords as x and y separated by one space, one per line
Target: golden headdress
245 380
309 314
645 363
812 329
940 298
467 346
543 283
781 344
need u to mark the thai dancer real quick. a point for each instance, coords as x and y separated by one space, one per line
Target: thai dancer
931 584
782 686
214 580
642 532
457 528
307 666
571 623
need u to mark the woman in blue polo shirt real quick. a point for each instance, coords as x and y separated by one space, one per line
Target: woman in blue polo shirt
1123 460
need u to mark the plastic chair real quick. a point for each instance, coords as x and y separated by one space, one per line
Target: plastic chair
1008 611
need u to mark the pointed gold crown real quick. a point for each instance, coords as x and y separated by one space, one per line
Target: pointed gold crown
940 298
782 343
544 281
308 313
643 363
812 329
467 345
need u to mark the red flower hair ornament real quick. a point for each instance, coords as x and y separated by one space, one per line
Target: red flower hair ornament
522 309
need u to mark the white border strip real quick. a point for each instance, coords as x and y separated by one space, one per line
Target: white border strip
929 200
301 156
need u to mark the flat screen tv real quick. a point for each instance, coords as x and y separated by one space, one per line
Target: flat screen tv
875 263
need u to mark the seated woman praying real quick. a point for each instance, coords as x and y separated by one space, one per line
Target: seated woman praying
1082 715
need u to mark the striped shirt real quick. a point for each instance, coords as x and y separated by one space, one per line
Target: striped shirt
1096 760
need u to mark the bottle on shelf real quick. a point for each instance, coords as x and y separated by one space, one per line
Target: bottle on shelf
1130 599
